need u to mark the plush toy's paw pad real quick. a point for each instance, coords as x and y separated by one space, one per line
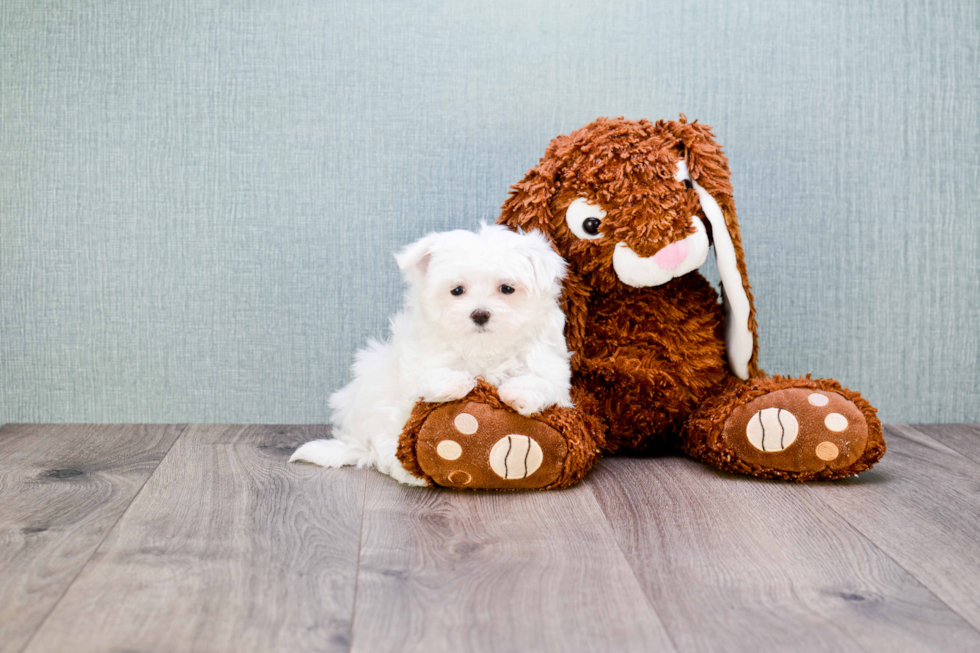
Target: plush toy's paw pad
473 445
798 430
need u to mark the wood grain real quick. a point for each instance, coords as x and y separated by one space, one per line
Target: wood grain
463 571
228 548
921 506
962 438
62 488
737 564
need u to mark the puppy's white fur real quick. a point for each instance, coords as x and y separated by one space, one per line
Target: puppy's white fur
436 350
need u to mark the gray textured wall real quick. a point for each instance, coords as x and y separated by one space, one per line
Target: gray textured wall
198 200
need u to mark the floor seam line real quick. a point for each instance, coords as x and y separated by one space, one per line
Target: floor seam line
357 566
629 565
931 437
885 553
88 560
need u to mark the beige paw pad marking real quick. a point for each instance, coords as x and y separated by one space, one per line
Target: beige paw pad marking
827 451
515 456
459 477
466 424
835 422
772 429
449 450
818 399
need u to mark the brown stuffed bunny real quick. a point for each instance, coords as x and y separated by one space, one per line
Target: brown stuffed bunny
658 362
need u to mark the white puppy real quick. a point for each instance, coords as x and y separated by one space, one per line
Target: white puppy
477 305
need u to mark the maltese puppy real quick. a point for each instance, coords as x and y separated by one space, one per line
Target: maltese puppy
477 305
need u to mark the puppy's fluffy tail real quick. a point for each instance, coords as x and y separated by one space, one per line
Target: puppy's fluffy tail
328 453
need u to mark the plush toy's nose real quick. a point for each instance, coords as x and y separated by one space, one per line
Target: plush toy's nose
659 248
672 255
480 316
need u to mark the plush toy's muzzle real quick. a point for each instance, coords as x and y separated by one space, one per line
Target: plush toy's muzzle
673 260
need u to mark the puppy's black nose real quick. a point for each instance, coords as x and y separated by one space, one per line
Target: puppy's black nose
480 316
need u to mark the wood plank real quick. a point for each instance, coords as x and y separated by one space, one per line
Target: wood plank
921 505
227 548
962 438
466 571
738 564
62 487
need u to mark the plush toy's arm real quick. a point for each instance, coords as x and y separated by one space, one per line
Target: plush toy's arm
619 369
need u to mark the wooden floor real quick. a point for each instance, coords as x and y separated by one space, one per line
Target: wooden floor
203 538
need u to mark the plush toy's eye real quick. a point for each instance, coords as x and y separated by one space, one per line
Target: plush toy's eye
688 183
457 291
584 219
506 289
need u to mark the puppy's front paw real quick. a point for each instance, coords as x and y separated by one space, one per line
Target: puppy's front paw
525 400
442 384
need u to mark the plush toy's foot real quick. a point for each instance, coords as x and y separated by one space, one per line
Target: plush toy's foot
480 443
469 444
793 429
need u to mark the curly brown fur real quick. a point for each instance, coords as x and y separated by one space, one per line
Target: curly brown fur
653 355
408 439
581 428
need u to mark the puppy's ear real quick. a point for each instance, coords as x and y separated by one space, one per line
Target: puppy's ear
413 260
547 266
706 166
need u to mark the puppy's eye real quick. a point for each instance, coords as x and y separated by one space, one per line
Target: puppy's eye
585 219
507 290
457 291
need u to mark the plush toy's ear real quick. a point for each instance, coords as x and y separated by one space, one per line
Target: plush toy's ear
528 207
413 260
707 169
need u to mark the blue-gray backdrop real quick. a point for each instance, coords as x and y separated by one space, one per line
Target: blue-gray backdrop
198 200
